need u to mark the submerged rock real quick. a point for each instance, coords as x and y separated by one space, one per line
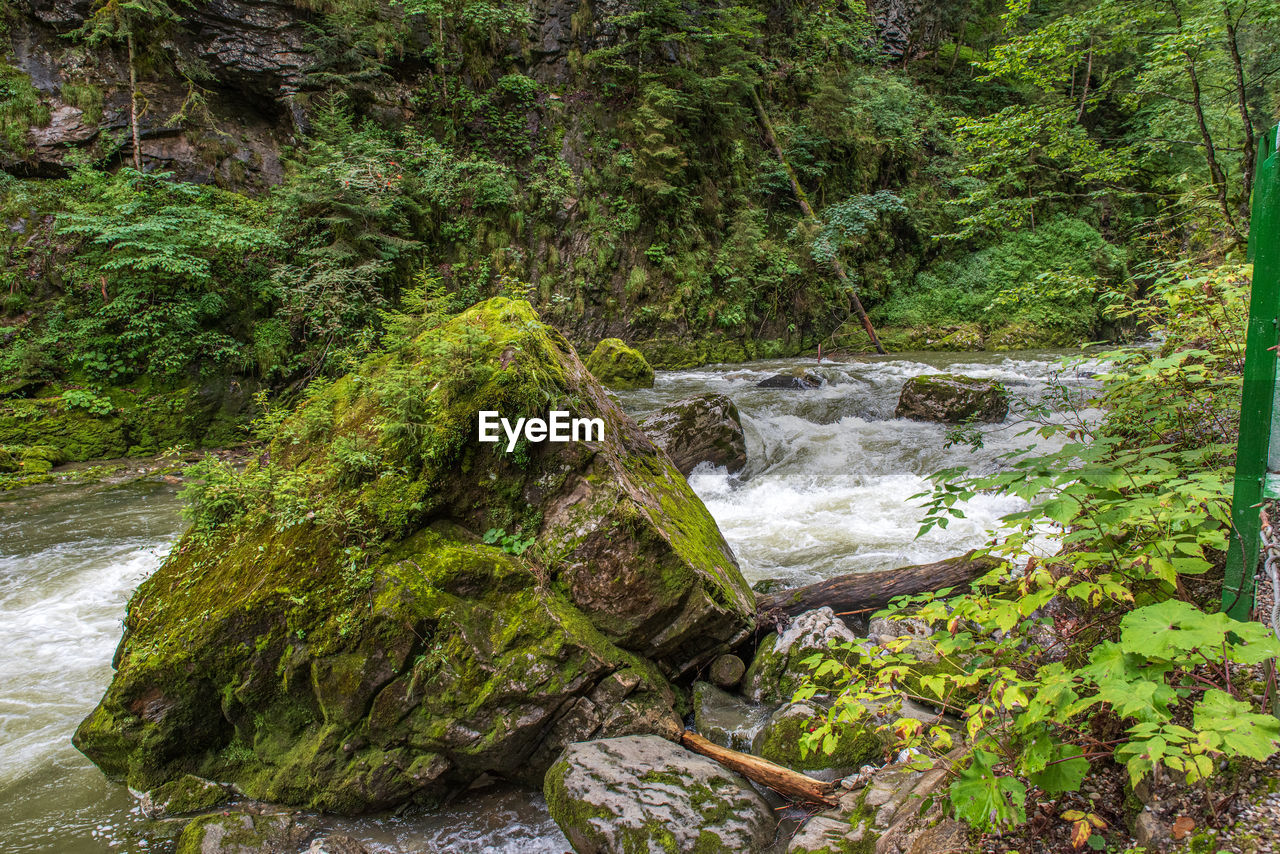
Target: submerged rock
725 718
618 366
242 833
339 843
952 399
800 378
333 633
646 794
706 428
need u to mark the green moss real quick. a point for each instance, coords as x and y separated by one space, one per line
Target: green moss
188 794
779 741
339 614
618 366
21 108
239 833
48 422
666 353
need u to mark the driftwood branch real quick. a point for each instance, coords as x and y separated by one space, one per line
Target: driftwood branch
870 591
784 781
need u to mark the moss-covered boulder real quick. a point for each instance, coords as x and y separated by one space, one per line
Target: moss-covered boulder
952 399
187 794
779 740
619 367
706 428
337 631
242 833
646 794
38 459
777 669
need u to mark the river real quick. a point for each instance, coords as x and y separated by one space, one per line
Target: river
826 491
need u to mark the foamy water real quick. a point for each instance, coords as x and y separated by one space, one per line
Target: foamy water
831 474
68 563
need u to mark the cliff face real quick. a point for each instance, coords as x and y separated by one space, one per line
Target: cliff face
229 86
218 107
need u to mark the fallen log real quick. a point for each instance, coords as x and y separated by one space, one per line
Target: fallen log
784 781
871 591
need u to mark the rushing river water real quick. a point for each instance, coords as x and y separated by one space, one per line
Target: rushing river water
825 491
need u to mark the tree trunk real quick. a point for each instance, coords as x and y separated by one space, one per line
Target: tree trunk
133 105
772 140
871 591
784 781
1250 150
1084 92
1216 174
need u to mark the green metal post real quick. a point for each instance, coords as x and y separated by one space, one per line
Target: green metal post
1259 382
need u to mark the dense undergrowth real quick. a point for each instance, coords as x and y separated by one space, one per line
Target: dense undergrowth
1101 644
982 190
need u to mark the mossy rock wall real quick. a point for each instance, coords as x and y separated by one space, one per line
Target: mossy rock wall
130 422
343 640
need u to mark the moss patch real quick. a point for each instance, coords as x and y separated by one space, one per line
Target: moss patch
618 366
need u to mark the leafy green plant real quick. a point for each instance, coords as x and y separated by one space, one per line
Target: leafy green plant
87 401
512 544
1087 647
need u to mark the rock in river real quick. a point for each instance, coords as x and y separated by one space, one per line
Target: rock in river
952 399
798 379
618 366
645 794
706 428
333 633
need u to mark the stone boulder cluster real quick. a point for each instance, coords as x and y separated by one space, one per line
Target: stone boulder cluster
381 611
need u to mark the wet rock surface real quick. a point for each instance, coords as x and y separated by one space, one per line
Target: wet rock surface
952 399
726 719
706 428
800 380
643 793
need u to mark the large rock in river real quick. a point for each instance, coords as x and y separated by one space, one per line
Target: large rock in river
644 794
334 632
618 366
952 399
706 428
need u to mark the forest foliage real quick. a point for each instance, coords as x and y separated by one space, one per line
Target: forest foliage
640 193
1100 642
